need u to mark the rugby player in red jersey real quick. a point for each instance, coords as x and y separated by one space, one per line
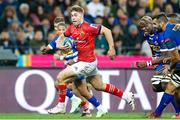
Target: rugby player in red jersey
86 67
72 92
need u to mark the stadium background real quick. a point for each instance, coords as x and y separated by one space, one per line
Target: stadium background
26 25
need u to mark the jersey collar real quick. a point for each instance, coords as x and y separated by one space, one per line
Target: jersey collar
80 24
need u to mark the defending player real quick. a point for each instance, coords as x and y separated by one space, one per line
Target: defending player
169 42
155 39
86 66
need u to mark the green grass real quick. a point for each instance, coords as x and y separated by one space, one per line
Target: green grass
109 116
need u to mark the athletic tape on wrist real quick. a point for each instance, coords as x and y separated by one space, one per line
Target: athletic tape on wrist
149 63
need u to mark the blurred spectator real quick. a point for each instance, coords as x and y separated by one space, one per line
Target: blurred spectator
120 4
122 19
109 23
45 27
28 30
24 13
118 39
99 20
159 3
118 16
55 12
3 5
140 12
5 41
87 16
175 4
106 11
168 9
8 16
64 4
80 2
30 11
95 8
49 6
50 37
101 44
32 5
156 10
37 42
144 4
22 44
124 25
135 20
13 29
40 13
132 6
133 41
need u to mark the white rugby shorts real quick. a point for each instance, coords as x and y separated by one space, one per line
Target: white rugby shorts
85 69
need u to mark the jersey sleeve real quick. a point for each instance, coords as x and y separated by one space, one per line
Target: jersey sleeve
170 41
168 45
94 28
161 42
52 44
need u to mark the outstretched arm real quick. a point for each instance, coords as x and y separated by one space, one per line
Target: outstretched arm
109 38
50 46
166 57
45 49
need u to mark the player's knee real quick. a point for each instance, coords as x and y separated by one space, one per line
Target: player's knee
60 79
100 86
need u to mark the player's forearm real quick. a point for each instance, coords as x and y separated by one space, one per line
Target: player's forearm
158 60
167 57
45 49
108 35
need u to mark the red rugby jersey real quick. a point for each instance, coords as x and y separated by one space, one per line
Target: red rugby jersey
84 36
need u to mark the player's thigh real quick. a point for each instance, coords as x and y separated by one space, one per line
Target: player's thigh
96 82
175 81
66 74
159 82
170 87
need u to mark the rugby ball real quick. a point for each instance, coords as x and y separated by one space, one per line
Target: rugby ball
69 42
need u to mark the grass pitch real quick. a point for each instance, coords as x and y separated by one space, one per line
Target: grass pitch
109 116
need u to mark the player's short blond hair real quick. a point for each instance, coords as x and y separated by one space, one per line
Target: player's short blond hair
59 21
77 8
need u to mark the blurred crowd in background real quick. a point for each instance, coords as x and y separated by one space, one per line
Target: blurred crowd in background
26 25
